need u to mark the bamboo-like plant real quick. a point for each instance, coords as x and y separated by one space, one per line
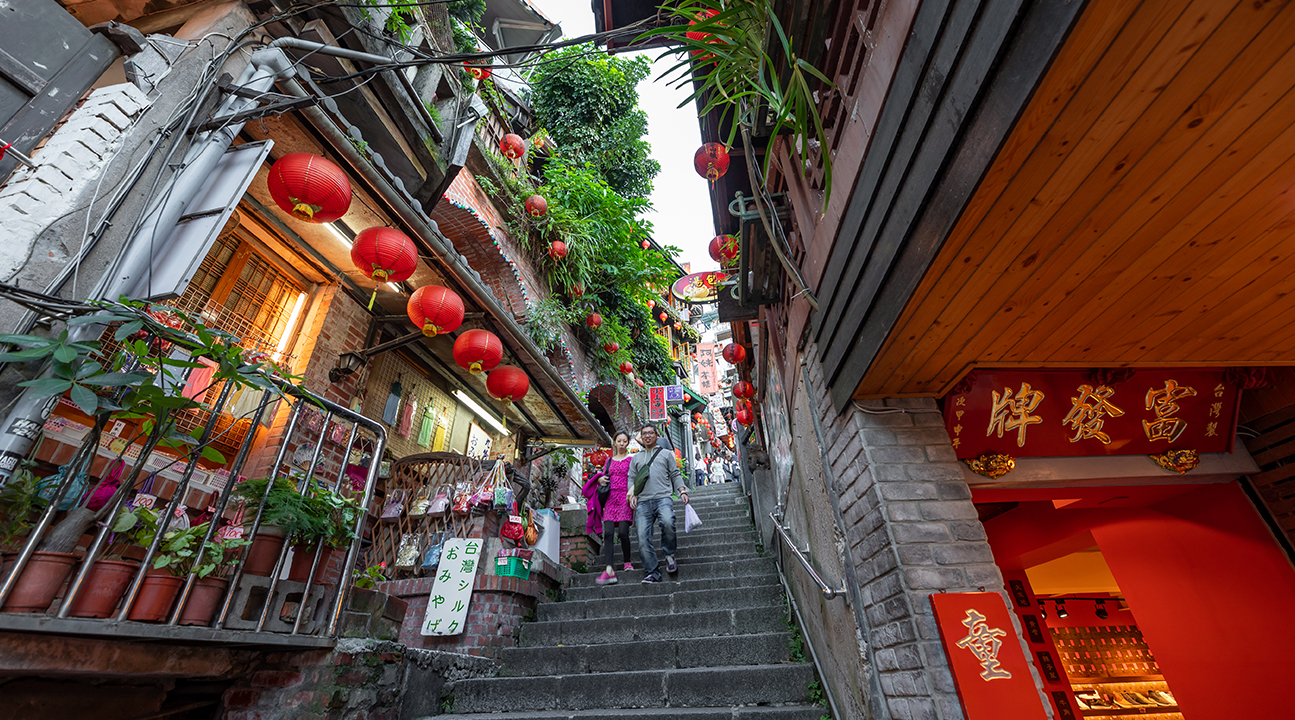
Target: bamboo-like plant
724 43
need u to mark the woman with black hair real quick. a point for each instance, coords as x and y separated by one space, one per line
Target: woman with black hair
609 488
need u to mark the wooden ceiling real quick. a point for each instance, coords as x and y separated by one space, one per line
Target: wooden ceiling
1139 214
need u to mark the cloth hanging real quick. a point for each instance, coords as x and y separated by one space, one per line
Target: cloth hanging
392 409
429 422
199 379
407 418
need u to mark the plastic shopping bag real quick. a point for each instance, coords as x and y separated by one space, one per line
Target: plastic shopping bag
690 519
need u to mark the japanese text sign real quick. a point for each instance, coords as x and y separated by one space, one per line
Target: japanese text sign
989 668
656 403
447 607
1049 413
707 370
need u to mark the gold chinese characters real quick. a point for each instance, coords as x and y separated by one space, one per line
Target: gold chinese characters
1013 413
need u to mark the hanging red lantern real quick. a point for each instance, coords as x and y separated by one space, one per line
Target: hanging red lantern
537 206
651 304
512 146
310 187
645 244
576 291
435 310
384 254
508 383
611 348
711 161
696 417
705 37
627 367
477 72
734 353
743 390
723 249
478 351
663 317
638 381
746 417
557 250
594 320
678 326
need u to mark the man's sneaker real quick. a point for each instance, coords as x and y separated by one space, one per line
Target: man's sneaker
650 578
628 566
670 565
607 578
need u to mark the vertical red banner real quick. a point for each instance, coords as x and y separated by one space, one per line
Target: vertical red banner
989 668
656 403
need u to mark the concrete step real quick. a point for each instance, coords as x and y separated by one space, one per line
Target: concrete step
677 688
665 587
762 566
681 601
742 621
762 649
737 537
783 712
693 556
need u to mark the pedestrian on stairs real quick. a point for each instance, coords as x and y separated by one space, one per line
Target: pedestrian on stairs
656 477
607 492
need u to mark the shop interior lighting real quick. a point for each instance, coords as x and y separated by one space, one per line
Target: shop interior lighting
1043 609
342 232
1061 609
480 411
396 287
1101 610
292 325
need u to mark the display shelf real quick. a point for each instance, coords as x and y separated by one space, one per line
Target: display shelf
1115 679
1117 712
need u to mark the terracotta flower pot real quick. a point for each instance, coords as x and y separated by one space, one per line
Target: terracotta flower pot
39 582
302 556
156 595
103 587
204 600
264 551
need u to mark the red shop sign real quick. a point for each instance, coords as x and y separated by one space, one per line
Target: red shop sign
984 651
656 403
1048 413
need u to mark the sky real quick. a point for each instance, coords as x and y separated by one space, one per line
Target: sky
680 197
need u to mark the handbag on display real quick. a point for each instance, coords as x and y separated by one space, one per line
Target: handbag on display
108 487
422 501
145 497
74 492
339 433
180 518
407 553
395 505
532 532
463 501
232 530
439 506
432 558
513 529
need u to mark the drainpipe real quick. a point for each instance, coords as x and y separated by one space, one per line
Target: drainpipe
134 261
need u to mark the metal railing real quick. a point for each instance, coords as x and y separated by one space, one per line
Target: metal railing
299 399
828 591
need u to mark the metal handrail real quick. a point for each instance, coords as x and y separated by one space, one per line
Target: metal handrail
829 592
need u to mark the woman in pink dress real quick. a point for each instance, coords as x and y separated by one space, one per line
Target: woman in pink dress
617 515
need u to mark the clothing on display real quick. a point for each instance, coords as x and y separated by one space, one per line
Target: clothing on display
429 422
407 418
392 408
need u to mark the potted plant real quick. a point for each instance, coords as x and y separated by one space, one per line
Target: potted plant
212 571
334 527
20 506
111 574
287 513
174 559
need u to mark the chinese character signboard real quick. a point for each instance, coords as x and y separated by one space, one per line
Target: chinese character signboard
707 370
1048 413
656 403
698 288
447 607
478 442
984 651
673 394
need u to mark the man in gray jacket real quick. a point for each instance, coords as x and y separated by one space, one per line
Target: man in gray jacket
654 476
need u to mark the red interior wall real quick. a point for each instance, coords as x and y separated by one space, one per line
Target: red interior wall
1212 591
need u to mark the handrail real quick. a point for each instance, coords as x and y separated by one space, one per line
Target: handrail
829 592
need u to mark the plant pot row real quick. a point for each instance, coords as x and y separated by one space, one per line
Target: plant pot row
108 580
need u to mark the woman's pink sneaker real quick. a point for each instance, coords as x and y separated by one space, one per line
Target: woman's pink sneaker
628 566
607 578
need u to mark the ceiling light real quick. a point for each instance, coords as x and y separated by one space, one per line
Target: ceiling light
342 232
1101 610
468 402
1061 609
1043 610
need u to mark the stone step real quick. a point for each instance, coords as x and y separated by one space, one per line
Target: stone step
783 712
677 688
743 621
692 556
681 601
762 566
762 649
665 587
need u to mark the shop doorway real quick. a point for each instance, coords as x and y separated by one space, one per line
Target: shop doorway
1166 601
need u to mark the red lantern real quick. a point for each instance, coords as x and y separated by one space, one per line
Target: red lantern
696 417
723 249
651 304
627 367
711 161
611 348
743 390
435 310
478 351
645 244
512 146
734 353
678 326
594 320
310 187
477 71
537 206
639 381
746 417
557 250
384 254
508 383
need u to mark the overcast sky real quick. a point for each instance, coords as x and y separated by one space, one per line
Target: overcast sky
680 196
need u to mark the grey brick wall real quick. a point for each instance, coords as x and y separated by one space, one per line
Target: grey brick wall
912 531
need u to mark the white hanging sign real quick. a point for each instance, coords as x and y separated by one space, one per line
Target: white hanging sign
447 607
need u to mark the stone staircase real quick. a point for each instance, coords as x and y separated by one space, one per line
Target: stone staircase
709 643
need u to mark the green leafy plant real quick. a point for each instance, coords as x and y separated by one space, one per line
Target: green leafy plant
305 517
726 63
369 577
178 550
361 147
219 557
20 505
466 11
814 693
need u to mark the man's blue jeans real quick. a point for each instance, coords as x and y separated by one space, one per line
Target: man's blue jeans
646 516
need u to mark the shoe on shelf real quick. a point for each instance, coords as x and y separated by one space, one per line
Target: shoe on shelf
1082 704
671 566
1140 698
1121 701
607 578
1162 697
628 566
650 578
